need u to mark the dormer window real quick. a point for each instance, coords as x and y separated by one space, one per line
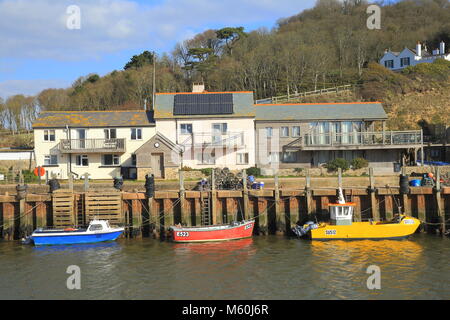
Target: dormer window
389 64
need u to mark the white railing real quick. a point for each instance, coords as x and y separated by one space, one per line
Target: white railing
363 138
216 140
92 145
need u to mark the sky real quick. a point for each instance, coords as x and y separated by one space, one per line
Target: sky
43 44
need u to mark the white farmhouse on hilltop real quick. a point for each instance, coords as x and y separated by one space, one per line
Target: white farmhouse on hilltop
411 57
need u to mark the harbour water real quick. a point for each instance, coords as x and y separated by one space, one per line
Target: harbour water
259 268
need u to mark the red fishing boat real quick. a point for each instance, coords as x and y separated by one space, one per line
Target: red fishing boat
232 231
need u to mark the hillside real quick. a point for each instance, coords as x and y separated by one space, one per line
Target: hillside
322 47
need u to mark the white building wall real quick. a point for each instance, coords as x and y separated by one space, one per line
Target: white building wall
171 130
95 168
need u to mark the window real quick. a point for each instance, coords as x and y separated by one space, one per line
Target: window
82 161
284 131
389 64
404 62
296 131
269 132
110 160
289 157
133 160
274 157
220 128
242 158
136 134
49 135
206 158
186 128
50 160
110 134
96 227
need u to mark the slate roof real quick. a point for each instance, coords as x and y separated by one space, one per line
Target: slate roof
321 111
204 105
92 119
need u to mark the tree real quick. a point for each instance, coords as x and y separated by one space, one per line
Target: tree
230 36
139 61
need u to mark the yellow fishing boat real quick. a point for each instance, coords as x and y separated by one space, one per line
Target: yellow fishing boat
342 227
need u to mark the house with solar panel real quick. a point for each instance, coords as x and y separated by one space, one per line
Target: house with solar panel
203 129
290 136
99 143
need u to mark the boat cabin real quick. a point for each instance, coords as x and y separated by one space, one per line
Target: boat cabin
98 225
341 214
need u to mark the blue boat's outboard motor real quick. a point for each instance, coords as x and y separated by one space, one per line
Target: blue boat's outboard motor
301 231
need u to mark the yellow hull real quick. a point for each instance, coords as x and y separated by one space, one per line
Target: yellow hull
366 230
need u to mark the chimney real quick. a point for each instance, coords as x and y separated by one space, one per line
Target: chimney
419 49
198 87
386 50
442 47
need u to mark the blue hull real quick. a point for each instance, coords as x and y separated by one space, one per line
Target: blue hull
76 239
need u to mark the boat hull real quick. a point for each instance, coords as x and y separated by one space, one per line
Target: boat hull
366 230
42 240
213 233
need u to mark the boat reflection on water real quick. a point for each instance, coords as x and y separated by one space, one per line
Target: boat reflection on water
343 265
78 247
224 248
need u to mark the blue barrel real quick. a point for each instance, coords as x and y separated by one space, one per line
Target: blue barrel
415 183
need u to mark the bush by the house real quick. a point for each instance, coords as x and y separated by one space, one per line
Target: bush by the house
206 171
334 165
253 171
359 163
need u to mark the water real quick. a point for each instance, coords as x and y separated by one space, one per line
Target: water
259 268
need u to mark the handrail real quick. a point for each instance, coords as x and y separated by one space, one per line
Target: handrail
92 144
291 96
364 138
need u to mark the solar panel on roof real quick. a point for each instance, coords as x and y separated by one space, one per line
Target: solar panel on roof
203 104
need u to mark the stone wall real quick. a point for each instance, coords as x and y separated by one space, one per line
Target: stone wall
315 172
427 169
17 164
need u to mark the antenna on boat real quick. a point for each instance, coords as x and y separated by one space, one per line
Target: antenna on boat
341 199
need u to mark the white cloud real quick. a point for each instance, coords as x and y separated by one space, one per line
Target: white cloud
29 87
37 28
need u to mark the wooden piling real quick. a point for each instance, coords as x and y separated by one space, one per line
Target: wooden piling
216 214
185 217
279 214
439 209
262 216
373 198
308 193
246 212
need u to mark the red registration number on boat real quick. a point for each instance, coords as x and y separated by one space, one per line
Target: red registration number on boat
182 234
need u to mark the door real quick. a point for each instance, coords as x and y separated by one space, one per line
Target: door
81 136
158 165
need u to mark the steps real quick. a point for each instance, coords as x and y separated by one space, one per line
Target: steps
206 210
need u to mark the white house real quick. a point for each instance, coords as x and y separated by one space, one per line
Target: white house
411 57
212 129
100 143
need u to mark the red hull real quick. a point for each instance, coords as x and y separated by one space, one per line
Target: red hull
213 233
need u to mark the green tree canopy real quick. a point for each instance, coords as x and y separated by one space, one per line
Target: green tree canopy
136 62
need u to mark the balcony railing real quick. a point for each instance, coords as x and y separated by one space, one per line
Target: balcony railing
213 140
359 139
92 145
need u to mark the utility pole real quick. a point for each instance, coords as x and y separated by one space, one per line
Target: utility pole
154 80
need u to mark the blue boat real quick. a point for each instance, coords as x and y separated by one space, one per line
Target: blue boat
98 231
